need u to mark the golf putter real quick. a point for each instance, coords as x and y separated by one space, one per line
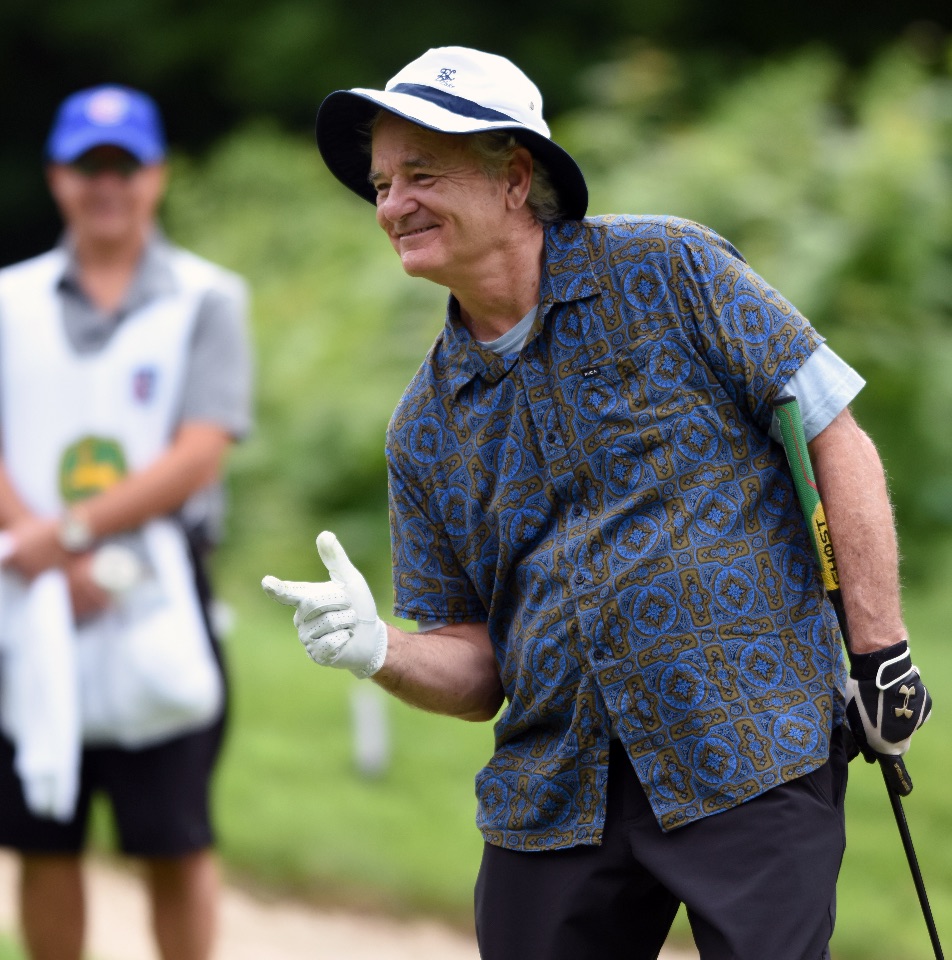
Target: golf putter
898 783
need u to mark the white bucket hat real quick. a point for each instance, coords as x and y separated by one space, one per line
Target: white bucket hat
453 90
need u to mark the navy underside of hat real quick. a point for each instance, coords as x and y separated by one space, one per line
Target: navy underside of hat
343 139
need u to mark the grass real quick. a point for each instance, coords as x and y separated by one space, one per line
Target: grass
9 950
879 914
296 816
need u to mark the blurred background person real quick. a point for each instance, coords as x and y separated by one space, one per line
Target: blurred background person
125 376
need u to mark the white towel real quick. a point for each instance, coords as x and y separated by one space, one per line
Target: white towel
138 673
146 667
39 702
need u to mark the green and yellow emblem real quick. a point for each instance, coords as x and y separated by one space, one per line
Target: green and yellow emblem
89 466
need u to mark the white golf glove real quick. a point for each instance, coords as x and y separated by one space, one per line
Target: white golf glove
337 622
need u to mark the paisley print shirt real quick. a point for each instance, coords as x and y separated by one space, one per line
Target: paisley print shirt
609 501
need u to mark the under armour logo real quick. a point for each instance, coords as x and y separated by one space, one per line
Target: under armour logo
904 710
446 75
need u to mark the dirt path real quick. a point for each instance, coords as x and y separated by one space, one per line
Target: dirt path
252 929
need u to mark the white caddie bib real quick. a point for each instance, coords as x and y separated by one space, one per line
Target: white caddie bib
73 425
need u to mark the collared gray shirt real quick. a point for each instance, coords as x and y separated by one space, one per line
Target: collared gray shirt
218 379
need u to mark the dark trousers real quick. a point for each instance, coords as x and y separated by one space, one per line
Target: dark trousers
758 881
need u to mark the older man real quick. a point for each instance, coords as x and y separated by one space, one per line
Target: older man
593 526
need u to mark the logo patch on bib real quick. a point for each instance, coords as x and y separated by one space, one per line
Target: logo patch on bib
89 466
143 384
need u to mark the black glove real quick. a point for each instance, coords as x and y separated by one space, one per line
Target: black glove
886 701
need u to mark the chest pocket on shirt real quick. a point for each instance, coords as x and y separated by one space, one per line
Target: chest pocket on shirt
612 409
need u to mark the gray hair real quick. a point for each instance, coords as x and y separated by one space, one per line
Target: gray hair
493 149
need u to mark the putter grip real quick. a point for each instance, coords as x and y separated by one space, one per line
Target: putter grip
895 774
787 410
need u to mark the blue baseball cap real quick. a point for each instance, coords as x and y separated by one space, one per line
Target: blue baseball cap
107 115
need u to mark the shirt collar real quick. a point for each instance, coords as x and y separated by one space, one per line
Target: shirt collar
568 274
153 277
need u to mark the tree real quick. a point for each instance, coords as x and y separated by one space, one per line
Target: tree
214 65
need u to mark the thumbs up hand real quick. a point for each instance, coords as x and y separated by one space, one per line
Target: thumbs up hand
336 621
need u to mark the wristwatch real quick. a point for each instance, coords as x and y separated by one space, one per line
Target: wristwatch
75 535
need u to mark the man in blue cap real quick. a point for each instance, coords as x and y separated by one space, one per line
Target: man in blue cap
124 379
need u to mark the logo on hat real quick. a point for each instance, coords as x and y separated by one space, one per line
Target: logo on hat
482 92
108 107
114 115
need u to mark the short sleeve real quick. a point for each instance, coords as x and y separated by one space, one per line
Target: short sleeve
429 581
824 386
752 338
218 382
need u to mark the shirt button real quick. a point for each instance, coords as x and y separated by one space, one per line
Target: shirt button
600 654
577 510
550 438
580 578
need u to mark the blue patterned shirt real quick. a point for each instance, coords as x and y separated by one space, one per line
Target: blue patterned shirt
609 501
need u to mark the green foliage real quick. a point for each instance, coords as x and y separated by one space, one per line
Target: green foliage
841 198
9 950
217 64
338 334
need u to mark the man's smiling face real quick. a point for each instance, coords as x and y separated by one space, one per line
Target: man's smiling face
442 213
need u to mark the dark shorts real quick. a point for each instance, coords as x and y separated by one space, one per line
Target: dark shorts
758 881
159 798
159 795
